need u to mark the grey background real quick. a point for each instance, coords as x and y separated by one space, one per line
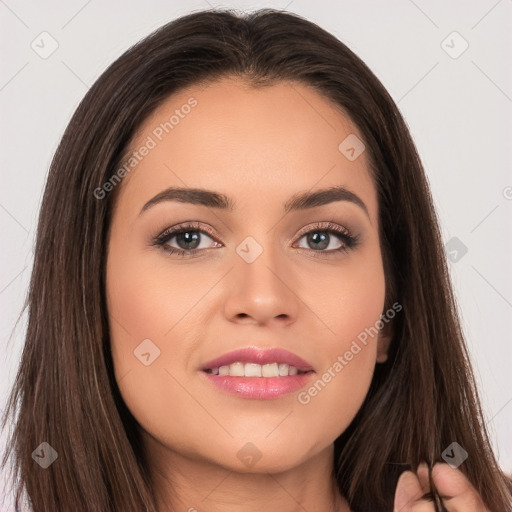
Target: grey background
458 110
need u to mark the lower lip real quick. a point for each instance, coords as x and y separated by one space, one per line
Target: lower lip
259 388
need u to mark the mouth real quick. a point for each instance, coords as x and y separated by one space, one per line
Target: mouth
258 374
254 370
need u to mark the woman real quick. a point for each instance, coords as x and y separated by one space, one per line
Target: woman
240 295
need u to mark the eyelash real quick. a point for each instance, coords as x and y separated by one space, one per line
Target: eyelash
349 241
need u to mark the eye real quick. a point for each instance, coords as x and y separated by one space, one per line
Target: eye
185 239
190 239
328 238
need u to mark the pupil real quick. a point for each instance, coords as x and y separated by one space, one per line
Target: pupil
323 239
188 237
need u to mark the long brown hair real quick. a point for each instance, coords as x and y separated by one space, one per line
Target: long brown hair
420 401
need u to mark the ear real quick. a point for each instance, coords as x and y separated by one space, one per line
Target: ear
383 342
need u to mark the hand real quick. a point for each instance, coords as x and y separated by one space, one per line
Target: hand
457 493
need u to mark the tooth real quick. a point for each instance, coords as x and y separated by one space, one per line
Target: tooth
252 370
269 370
283 369
237 370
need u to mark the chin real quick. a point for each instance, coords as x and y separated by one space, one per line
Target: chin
265 456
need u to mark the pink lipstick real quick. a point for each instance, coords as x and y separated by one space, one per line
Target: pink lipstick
260 374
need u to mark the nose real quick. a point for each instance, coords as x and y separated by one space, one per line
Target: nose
262 291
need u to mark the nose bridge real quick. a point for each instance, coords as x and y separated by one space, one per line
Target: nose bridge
259 260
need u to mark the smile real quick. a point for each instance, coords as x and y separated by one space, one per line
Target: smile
258 374
256 370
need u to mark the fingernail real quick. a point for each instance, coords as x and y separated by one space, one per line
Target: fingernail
423 466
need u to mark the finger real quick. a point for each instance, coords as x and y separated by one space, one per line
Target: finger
456 491
409 493
423 478
426 484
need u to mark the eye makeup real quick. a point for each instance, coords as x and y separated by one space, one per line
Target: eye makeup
193 232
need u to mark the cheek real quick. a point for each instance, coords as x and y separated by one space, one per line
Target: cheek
144 300
356 306
349 300
135 299
145 316
352 307
135 313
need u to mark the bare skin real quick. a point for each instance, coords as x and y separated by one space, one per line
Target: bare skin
259 148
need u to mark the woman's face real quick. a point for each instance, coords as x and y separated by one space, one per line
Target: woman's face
268 272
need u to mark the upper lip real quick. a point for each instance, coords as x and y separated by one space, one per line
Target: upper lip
259 356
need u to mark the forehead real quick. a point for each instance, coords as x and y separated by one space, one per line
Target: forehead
247 142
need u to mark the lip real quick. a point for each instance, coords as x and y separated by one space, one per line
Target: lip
259 388
259 356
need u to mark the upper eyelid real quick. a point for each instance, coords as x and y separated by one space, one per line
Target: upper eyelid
325 226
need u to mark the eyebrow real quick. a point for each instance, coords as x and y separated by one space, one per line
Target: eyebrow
297 202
